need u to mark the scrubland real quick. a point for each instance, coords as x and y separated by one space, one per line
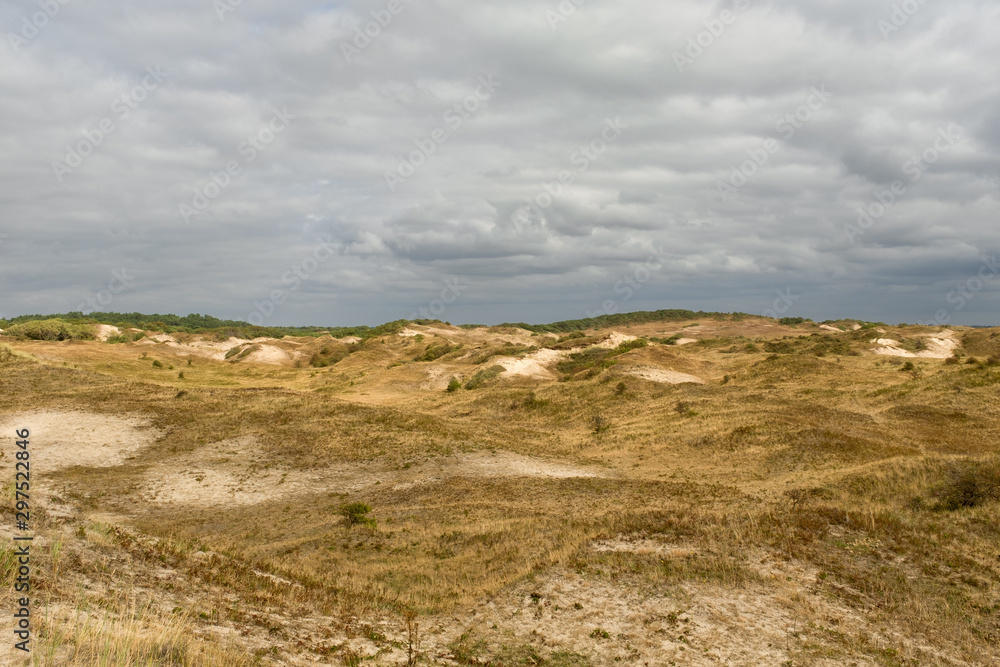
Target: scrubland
711 491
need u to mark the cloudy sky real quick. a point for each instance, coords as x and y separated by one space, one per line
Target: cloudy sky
355 162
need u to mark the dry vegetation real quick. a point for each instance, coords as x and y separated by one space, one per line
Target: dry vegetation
576 499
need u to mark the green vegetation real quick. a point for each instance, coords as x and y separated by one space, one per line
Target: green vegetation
435 351
51 329
482 377
356 514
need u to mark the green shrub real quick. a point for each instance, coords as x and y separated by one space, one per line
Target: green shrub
969 484
357 514
480 378
454 384
328 356
436 351
6 354
157 363
630 345
51 330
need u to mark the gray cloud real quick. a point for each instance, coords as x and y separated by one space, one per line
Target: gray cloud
488 205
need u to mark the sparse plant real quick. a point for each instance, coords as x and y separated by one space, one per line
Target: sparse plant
454 384
599 423
356 514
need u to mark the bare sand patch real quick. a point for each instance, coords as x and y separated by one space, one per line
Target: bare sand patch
106 331
272 354
534 365
827 327
941 346
665 376
234 472
685 341
615 339
64 439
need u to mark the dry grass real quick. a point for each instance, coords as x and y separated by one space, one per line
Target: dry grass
818 454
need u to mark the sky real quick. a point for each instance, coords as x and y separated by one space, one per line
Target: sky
357 162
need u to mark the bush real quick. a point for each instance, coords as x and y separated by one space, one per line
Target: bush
6 355
357 514
969 484
599 423
328 356
630 345
51 330
454 384
157 363
436 351
480 378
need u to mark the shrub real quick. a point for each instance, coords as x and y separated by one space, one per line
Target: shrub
620 389
969 484
51 330
454 384
630 345
357 514
908 366
328 356
157 363
482 377
436 351
599 423
6 355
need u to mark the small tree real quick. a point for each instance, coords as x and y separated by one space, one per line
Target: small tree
357 513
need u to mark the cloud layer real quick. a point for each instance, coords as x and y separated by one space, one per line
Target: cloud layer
338 162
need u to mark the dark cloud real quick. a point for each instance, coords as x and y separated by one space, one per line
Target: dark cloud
524 196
